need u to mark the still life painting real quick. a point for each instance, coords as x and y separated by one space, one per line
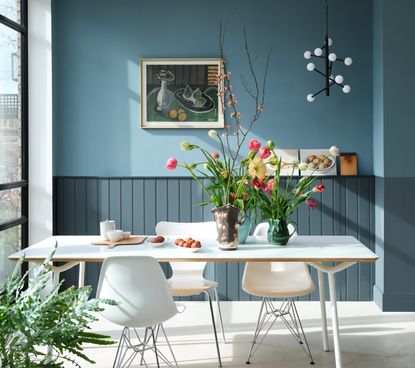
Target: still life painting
181 93
320 162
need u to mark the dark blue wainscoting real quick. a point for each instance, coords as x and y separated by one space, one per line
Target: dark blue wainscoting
345 208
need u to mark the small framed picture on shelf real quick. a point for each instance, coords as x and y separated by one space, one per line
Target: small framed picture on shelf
319 162
348 164
289 157
181 93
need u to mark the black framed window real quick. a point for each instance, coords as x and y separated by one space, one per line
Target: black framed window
13 130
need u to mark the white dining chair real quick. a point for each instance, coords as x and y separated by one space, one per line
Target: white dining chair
187 278
281 280
144 301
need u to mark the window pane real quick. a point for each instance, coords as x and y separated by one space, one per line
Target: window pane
10 240
10 105
10 204
10 9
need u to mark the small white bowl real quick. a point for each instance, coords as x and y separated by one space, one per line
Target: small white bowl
190 250
150 238
114 235
126 235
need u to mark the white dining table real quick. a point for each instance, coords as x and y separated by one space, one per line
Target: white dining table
328 254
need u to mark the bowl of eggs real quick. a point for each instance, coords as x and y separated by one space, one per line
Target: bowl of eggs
320 163
188 244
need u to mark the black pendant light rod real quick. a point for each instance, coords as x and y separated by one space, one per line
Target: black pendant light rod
329 58
326 48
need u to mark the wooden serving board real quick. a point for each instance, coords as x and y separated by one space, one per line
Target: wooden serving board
131 240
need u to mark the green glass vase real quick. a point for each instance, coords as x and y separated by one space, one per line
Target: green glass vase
278 232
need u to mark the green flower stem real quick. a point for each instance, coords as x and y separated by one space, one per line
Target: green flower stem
197 179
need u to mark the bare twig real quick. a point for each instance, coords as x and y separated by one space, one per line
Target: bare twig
257 93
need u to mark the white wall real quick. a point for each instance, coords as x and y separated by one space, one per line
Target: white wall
40 120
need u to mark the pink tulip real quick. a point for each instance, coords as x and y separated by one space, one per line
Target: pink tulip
171 163
215 155
264 153
254 145
270 186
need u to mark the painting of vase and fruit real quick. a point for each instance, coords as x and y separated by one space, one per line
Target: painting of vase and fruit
181 93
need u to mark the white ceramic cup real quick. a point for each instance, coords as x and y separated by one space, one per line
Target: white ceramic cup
105 227
126 234
114 235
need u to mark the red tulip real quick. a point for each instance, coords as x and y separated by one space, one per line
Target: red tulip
258 184
254 145
171 163
312 203
319 188
245 196
264 153
233 197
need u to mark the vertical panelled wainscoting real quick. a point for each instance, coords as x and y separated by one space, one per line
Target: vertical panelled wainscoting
346 207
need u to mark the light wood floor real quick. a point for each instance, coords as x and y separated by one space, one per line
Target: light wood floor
369 338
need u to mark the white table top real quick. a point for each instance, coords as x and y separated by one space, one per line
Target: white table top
300 248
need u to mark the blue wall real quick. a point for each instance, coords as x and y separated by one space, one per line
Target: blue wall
394 129
97 45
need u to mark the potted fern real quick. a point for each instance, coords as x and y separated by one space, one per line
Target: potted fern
48 331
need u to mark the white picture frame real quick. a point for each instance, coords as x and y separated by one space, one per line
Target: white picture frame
289 156
307 154
181 93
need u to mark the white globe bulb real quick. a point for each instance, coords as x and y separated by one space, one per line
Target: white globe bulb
348 61
311 67
332 57
318 51
339 79
307 55
310 98
347 89
330 42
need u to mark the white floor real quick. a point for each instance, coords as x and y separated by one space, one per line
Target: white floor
369 338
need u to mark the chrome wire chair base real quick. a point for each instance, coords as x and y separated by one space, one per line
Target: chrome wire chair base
128 350
288 313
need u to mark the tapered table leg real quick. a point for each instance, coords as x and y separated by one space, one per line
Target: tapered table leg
81 279
322 294
335 321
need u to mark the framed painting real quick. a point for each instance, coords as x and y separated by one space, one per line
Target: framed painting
289 158
319 162
180 93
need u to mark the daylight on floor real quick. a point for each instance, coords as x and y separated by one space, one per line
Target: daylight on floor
207 184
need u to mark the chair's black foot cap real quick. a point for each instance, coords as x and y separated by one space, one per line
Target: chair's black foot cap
312 363
301 342
247 362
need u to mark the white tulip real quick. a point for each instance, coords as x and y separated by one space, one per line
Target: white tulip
212 133
334 151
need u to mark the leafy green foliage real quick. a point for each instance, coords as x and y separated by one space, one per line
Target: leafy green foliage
280 201
30 323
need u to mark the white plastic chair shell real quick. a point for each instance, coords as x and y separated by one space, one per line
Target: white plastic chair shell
187 278
276 279
139 285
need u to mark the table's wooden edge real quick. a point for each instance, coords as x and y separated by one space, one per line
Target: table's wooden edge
207 259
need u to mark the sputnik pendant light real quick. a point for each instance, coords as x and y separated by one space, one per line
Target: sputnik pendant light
329 58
